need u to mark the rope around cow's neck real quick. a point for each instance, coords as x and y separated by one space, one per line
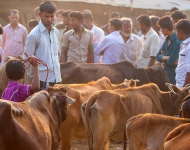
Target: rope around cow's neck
39 61
146 75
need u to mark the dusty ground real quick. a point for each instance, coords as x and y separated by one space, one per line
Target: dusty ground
82 145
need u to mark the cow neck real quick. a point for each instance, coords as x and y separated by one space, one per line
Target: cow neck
56 113
56 123
170 95
142 75
163 101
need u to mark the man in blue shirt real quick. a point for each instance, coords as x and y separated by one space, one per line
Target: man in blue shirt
112 45
43 43
169 53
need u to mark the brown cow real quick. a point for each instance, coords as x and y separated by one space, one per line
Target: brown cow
73 126
178 139
116 73
148 131
106 112
33 124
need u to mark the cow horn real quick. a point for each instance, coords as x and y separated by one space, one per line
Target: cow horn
170 87
136 80
70 100
187 86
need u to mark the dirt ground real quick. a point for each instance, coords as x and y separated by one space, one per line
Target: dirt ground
82 145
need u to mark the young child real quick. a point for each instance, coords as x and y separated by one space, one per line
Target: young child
15 73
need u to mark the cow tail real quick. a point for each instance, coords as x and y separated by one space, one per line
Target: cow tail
124 138
89 103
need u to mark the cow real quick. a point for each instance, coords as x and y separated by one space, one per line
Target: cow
117 72
3 79
148 131
178 139
106 112
33 124
72 127
185 108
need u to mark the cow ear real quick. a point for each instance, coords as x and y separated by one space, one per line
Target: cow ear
132 83
49 89
149 69
173 88
63 89
61 103
19 57
68 100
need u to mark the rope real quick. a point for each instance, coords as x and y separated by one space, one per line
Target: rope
39 61
146 75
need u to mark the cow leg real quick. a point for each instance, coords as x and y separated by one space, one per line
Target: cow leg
66 138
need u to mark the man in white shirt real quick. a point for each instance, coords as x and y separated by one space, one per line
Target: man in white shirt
98 34
133 43
112 44
151 43
183 67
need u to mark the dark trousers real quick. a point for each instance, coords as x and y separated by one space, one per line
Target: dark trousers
44 86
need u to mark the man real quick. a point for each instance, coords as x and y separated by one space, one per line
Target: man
169 53
112 45
98 34
64 27
14 36
177 15
156 28
59 17
133 43
151 43
42 42
114 14
173 9
36 12
183 67
77 42
31 24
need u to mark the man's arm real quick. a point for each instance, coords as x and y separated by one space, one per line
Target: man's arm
91 53
63 58
65 47
187 63
101 47
151 61
25 36
3 41
154 49
30 49
187 79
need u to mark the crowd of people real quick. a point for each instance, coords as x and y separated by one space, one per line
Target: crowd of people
74 37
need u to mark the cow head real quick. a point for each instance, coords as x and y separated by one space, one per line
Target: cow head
60 100
177 96
130 83
157 75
